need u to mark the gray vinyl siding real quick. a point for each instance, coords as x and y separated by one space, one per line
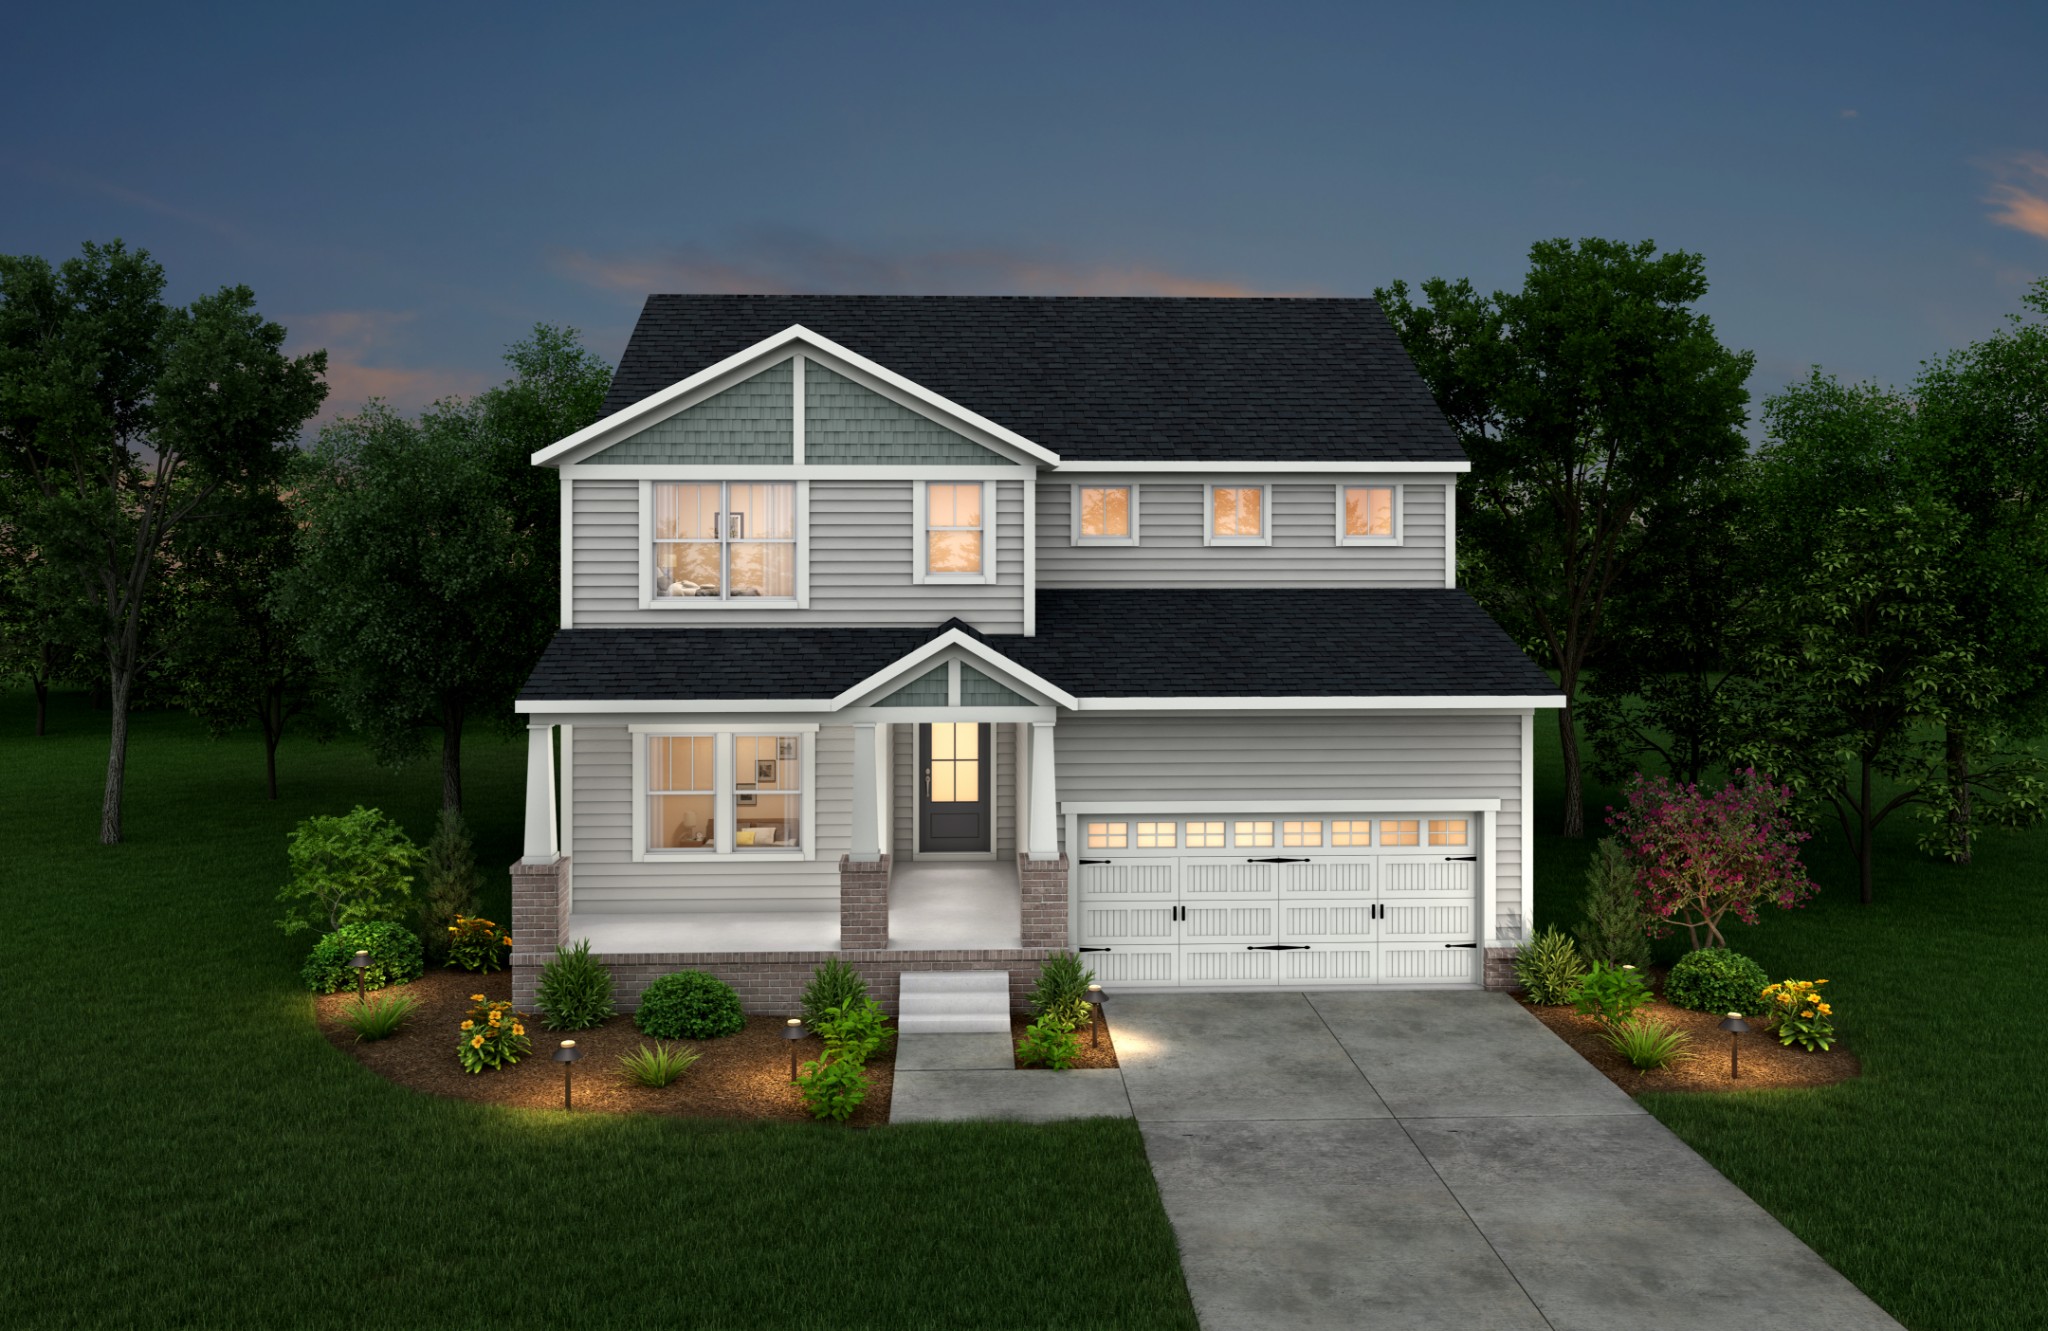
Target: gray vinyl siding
845 423
609 881
861 551
1304 552
905 778
751 422
1441 756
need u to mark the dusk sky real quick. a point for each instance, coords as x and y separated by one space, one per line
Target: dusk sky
412 188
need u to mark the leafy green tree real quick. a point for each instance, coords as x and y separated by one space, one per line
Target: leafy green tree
1587 401
348 869
124 418
45 629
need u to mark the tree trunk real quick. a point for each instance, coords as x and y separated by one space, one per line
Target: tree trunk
1959 781
270 713
451 755
117 759
42 705
1574 798
1864 849
270 738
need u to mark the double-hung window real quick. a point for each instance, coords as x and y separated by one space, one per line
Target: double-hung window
1237 515
1368 515
1105 515
723 793
723 540
954 530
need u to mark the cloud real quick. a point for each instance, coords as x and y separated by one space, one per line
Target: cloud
2020 198
785 263
360 346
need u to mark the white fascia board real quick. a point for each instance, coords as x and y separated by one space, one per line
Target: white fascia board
912 715
786 471
794 336
955 638
1469 702
666 706
1254 466
1167 807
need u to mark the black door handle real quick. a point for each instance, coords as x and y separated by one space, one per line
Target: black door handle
1461 857
1094 949
1281 947
1278 859
1461 945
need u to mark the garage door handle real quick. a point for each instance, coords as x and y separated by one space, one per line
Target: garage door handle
1461 945
1281 947
1279 859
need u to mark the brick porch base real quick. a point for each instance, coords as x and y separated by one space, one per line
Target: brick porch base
774 981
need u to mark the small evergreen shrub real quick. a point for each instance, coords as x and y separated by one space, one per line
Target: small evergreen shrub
1549 967
1648 1045
833 985
658 1064
475 944
378 1018
689 1005
394 957
492 1036
1716 979
1612 931
575 990
1048 1043
1061 995
449 884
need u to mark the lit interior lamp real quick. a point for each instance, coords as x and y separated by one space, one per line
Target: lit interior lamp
1095 1000
792 1031
567 1055
1736 1027
361 962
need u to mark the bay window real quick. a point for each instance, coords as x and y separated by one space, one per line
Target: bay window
723 540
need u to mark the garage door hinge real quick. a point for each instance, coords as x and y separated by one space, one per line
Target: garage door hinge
1447 857
1461 945
1093 949
1284 947
1094 861
1278 859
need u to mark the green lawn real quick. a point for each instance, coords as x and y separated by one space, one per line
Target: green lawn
181 1147
1926 1181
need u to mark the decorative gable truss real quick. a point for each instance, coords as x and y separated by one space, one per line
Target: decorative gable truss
960 675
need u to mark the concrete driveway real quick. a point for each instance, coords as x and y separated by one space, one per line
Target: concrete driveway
1425 1160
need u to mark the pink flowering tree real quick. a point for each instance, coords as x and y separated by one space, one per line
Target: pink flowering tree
1701 857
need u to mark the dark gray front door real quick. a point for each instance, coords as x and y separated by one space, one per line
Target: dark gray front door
952 803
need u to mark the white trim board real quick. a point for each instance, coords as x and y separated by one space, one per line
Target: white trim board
1449 703
1164 807
1254 465
902 666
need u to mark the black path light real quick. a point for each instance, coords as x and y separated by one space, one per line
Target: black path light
361 962
1736 1028
1095 1000
567 1055
792 1031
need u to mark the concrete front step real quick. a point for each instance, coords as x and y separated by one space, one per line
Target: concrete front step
953 1002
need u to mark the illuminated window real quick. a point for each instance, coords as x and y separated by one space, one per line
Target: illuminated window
1396 832
767 783
1253 834
681 793
1108 836
1205 836
1344 832
724 541
1301 834
1368 513
759 806
1106 514
956 762
1237 515
1447 832
1156 836
954 525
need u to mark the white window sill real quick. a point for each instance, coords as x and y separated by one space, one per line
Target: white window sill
689 603
1368 540
791 855
956 577
1104 540
1239 540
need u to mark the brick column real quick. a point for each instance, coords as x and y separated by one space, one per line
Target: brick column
540 919
1043 905
1500 968
863 904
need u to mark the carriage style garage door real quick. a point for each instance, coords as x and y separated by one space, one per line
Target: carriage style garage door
1281 902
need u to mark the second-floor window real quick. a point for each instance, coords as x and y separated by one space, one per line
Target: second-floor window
1237 515
724 540
1368 514
955 531
1105 515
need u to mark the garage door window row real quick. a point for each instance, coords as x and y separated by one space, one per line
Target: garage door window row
1268 833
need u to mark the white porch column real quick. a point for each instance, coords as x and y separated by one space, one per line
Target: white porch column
1042 841
541 844
885 785
866 847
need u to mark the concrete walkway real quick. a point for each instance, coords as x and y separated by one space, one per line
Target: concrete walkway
1439 1160
945 1078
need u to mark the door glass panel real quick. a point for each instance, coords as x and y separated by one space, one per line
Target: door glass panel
1399 832
1447 832
956 763
1351 832
1205 836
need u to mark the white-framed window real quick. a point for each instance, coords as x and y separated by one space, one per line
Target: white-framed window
1109 836
724 792
1105 515
1237 515
1351 832
1448 832
955 531
1205 836
1157 836
1400 832
1301 834
722 543
1368 515
1255 833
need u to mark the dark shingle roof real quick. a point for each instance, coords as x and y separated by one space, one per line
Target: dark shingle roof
1095 644
1101 378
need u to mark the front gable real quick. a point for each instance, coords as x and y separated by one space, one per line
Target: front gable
754 421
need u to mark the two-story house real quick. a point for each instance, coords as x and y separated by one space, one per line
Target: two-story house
943 633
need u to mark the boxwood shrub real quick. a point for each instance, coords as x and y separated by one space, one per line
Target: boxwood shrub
1716 979
394 957
689 1005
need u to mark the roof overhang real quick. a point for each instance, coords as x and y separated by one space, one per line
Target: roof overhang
1092 465
906 668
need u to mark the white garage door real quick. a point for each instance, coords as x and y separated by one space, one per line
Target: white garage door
1215 903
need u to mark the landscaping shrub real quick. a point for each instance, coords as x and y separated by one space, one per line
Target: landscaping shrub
1611 930
1549 967
1061 994
1715 979
394 957
1611 994
575 989
1799 1014
350 869
689 1005
493 1036
449 883
1049 1043
836 1082
1701 858
658 1064
1649 1045
833 985
378 1018
474 944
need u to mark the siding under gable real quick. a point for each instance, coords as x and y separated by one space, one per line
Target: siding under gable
927 690
751 422
846 423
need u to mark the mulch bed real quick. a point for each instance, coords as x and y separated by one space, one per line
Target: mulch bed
1092 1055
741 1076
1766 1064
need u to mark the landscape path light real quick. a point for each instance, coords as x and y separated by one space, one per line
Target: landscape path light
361 962
1736 1027
567 1055
792 1031
1095 1000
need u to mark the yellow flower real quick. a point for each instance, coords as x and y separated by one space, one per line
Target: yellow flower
508 940
476 1042
496 1016
451 928
517 1029
468 1025
476 998
1806 1014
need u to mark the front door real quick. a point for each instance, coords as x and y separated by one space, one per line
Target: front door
953 802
